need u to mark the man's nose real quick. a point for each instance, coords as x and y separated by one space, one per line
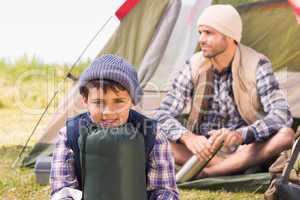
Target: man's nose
202 39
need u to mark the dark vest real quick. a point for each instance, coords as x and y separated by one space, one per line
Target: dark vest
144 125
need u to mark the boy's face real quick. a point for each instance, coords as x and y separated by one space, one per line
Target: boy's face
110 109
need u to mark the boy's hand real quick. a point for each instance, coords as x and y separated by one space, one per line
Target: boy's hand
198 145
230 138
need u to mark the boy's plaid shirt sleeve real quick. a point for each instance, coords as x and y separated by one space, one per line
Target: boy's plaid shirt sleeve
161 175
63 165
161 183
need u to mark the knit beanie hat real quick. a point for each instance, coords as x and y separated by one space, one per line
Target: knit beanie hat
223 18
111 67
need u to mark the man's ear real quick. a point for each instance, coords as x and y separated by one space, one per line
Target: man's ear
83 101
231 41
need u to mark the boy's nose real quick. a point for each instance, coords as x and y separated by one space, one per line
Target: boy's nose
107 110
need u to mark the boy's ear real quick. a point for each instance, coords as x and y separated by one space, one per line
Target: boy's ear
83 101
131 103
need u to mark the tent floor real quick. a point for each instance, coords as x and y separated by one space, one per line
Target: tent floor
257 182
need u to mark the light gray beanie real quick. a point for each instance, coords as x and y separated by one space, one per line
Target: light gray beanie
224 18
111 67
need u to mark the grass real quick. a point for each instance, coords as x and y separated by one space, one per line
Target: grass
31 83
17 123
20 183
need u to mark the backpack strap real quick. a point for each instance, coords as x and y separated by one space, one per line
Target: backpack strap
291 162
147 127
84 135
73 127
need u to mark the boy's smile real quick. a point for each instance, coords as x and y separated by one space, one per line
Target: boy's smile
110 108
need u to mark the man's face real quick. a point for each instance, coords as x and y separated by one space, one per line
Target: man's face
110 109
212 42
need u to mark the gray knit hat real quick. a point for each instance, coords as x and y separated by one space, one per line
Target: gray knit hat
111 67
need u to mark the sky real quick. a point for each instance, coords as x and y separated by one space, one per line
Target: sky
54 31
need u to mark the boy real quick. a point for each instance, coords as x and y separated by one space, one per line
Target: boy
109 88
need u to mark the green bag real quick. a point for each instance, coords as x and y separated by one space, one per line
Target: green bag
113 164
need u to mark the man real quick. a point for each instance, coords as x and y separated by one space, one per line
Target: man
235 101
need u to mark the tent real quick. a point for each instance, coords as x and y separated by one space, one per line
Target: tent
159 36
143 41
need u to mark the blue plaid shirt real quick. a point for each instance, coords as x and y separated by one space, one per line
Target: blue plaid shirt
222 109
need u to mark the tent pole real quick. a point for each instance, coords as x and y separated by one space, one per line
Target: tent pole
87 46
56 92
34 129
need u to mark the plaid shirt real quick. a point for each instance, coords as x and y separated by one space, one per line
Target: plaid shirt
161 174
222 109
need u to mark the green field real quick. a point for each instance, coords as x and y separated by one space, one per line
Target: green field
25 90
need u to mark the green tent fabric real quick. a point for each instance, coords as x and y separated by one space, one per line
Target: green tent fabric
276 36
157 49
132 29
270 27
40 149
249 183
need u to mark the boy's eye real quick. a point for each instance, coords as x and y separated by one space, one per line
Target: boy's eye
119 101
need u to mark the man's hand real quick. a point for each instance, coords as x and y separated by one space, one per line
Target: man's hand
231 139
198 145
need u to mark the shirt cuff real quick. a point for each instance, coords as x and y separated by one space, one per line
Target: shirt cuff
173 131
67 193
175 134
248 134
